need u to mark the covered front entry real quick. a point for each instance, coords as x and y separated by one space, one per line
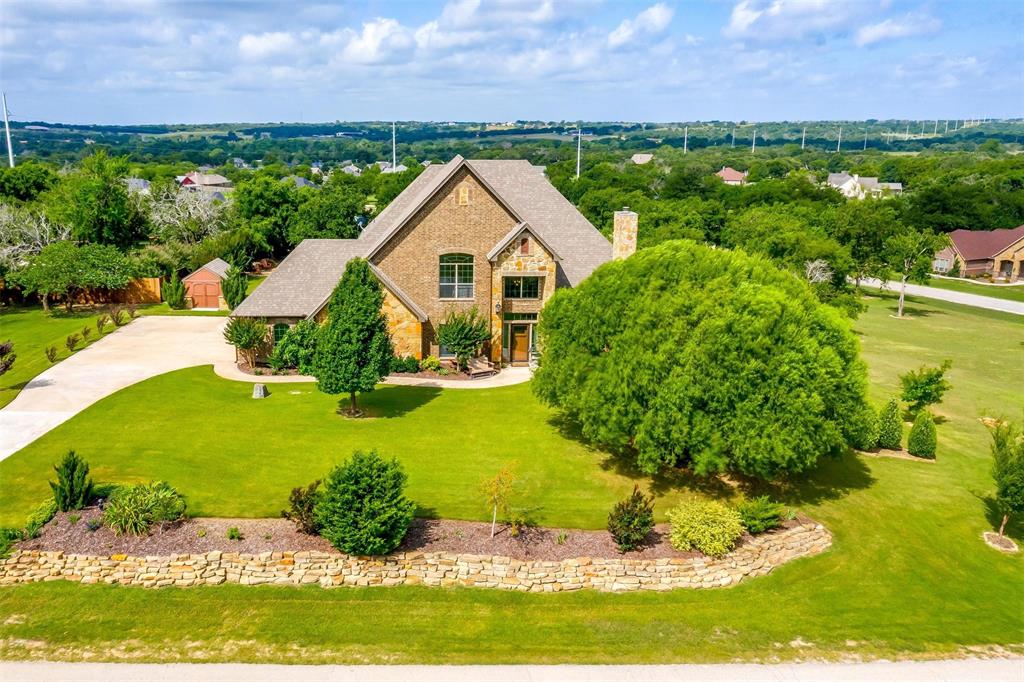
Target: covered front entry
519 344
518 338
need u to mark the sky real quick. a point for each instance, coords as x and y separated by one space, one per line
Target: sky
147 61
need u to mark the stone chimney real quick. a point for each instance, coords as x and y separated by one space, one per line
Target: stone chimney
624 233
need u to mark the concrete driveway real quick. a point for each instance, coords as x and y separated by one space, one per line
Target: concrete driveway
145 348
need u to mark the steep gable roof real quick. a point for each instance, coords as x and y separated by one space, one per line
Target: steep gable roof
981 245
513 234
217 266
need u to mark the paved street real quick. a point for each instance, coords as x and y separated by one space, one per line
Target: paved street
976 300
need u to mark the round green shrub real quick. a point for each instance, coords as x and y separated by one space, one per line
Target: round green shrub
705 525
760 514
631 520
890 426
363 509
922 440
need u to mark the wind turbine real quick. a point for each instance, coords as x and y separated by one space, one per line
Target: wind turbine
753 143
865 140
7 129
733 137
579 148
839 142
686 137
803 138
394 154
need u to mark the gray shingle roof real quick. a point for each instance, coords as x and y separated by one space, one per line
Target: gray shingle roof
216 266
305 279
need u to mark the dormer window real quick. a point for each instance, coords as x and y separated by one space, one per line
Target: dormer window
524 246
463 196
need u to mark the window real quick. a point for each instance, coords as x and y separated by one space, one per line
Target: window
522 287
463 196
513 317
456 276
524 246
280 329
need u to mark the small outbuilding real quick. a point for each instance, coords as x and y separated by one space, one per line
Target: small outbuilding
203 287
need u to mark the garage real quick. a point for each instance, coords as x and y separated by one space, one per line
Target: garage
203 287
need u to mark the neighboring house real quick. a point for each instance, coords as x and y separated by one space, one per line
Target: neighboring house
205 182
641 159
352 169
240 163
995 253
203 287
400 168
494 235
300 181
137 185
731 176
858 187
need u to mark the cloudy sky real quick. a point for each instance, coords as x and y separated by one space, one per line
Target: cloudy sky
147 61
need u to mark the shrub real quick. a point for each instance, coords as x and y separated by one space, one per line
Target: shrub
705 525
431 363
101 322
7 356
234 533
497 493
93 525
173 292
39 517
1008 470
133 311
133 509
464 333
864 431
72 341
234 287
247 334
74 518
302 511
74 488
363 509
760 514
118 317
51 353
925 386
297 348
631 520
922 440
890 426
8 536
688 356
405 364
86 333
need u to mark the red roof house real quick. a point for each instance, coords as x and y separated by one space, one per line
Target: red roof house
995 253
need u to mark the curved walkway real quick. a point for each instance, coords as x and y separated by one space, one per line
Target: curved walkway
975 300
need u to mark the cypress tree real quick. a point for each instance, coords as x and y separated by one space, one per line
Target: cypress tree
890 428
353 349
922 440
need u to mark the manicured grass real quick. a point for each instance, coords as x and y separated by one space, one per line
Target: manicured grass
908 574
1006 292
32 331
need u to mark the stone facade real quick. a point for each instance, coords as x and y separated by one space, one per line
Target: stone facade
625 226
756 556
510 262
405 328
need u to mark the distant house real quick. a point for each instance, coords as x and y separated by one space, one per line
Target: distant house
731 176
994 253
858 187
300 181
203 287
352 169
137 185
205 182
400 168
239 163
641 159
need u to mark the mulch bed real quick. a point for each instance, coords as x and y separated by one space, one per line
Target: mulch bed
200 535
427 374
1003 544
263 370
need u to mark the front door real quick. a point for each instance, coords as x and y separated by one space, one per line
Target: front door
519 337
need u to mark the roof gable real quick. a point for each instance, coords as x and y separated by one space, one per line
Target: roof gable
217 266
514 234
981 245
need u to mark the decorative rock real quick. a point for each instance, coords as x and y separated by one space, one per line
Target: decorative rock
260 391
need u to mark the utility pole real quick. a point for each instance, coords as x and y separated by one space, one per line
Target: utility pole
865 140
579 148
803 139
7 129
936 130
394 149
922 128
839 142
753 143
946 131
686 137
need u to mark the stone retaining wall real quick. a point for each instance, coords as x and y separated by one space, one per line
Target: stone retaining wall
756 556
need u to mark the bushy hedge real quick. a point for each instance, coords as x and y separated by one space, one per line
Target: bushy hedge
922 439
890 426
297 348
362 509
405 364
631 520
700 357
705 525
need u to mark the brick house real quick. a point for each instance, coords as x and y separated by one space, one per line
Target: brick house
983 253
493 235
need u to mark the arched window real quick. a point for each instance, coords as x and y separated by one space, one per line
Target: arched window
456 276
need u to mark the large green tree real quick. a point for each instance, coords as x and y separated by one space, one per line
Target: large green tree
330 213
66 269
26 181
684 355
263 206
863 227
909 253
353 351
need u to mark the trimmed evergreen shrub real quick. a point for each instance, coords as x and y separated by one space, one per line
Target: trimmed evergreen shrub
890 426
234 287
922 440
173 292
705 525
74 488
761 514
363 509
133 509
7 356
631 520
302 511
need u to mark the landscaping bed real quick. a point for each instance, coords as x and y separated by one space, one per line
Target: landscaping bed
199 535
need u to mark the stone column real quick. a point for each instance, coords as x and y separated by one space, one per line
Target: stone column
624 234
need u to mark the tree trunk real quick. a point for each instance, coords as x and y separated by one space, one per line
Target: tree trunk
494 519
353 410
1002 526
46 302
903 293
69 301
856 283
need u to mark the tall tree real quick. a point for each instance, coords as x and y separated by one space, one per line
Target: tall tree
264 206
354 349
863 227
910 254
65 269
1008 470
331 213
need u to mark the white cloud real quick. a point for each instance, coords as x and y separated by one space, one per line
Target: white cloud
652 20
265 45
901 27
770 20
378 42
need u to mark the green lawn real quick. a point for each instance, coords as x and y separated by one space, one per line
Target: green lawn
908 574
32 332
1009 293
